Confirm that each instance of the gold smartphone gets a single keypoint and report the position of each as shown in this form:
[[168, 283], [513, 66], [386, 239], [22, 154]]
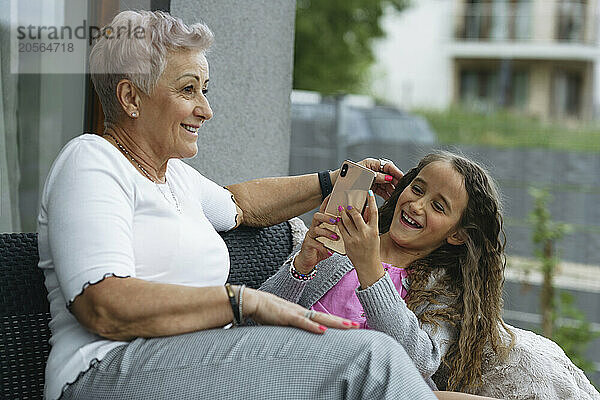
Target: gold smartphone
[[350, 189]]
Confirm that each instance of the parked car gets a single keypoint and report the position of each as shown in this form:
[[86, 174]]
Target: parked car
[[315, 122], [393, 125]]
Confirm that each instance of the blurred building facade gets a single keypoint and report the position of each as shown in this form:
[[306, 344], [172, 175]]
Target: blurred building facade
[[541, 57]]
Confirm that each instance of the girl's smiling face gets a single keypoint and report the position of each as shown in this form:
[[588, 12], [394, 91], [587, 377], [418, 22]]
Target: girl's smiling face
[[429, 209]]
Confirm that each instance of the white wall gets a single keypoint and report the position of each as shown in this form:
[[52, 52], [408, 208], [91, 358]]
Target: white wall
[[596, 79], [413, 68]]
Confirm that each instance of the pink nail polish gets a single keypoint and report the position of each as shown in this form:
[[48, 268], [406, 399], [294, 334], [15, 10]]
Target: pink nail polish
[[323, 328], [355, 323], [347, 323], [330, 253], [334, 236], [340, 208], [389, 178]]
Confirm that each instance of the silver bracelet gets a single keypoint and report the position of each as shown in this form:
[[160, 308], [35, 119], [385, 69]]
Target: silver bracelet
[[240, 296]]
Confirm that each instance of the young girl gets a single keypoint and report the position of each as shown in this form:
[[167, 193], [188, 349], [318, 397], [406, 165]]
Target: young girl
[[427, 269]]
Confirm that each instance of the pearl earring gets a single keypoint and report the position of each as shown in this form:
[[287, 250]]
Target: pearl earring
[[134, 114]]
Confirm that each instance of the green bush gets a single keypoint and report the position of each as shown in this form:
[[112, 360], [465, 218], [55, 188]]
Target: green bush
[[562, 321], [510, 129], [573, 332]]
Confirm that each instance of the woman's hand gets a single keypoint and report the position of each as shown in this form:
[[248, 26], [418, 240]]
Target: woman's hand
[[361, 239], [313, 251], [268, 309], [385, 182]]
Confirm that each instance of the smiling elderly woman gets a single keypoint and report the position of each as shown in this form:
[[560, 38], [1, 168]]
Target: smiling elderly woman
[[135, 269]]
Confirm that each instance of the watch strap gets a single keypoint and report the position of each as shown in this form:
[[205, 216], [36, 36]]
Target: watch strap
[[325, 182], [234, 305]]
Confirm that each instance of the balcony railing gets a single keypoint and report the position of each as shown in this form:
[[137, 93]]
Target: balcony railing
[[501, 20], [494, 21]]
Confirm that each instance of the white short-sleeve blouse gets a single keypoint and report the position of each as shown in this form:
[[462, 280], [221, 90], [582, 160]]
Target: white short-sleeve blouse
[[100, 217]]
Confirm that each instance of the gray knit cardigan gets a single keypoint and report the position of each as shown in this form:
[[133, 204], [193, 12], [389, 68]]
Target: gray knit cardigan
[[385, 310], [536, 368]]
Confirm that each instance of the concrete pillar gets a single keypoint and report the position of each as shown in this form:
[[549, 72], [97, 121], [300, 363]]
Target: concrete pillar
[[587, 88], [250, 84], [455, 73], [544, 22], [591, 23], [458, 27], [540, 84]]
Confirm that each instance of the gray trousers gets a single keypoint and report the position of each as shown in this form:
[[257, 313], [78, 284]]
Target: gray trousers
[[255, 363]]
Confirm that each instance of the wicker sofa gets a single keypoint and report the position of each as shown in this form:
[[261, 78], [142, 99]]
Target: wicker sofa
[[255, 254]]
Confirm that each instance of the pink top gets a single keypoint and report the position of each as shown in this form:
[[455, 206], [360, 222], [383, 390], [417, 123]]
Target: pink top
[[341, 299]]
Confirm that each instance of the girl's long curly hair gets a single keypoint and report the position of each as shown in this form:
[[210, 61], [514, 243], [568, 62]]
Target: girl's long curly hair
[[470, 275]]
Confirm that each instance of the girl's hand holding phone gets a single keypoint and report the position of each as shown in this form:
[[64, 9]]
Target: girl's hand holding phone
[[361, 238], [313, 251]]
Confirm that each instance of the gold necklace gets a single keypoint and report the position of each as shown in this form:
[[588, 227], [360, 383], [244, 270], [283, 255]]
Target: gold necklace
[[126, 153]]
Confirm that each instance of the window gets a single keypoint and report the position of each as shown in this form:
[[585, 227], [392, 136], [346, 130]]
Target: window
[[570, 20], [522, 20], [566, 93], [494, 87], [519, 93], [477, 19], [497, 19], [42, 111], [478, 88]]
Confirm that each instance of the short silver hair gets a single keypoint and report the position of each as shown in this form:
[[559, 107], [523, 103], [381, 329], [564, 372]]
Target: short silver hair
[[135, 46]]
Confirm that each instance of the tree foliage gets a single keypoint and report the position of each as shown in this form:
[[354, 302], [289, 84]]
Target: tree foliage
[[562, 321], [575, 333], [333, 43]]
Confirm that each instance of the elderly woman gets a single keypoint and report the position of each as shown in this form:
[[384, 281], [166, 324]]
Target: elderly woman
[[135, 269]]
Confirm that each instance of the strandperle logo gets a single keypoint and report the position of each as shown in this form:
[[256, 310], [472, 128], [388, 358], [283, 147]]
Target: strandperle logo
[[55, 36], [48, 33]]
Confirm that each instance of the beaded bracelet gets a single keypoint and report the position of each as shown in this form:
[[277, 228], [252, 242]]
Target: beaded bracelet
[[301, 277]]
